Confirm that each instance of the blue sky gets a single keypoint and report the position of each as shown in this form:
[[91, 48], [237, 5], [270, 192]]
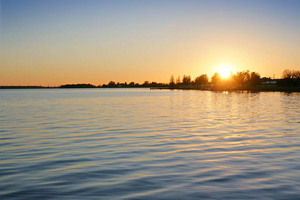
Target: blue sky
[[63, 41]]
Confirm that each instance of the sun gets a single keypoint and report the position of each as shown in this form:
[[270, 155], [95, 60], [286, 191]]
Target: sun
[[225, 72]]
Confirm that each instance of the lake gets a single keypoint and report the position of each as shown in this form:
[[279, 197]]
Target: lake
[[148, 144]]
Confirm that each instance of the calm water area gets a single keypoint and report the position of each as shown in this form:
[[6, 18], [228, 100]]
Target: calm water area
[[148, 144]]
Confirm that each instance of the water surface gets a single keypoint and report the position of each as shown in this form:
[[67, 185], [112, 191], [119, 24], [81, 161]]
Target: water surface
[[148, 144]]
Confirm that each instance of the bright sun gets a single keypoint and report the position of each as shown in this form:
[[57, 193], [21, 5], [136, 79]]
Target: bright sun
[[225, 73]]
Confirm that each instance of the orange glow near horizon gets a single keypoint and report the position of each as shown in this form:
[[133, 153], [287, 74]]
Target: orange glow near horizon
[[225, 71], [50, 44]]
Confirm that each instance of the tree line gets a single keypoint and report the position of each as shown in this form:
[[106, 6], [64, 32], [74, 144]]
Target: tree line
[[239, 80]]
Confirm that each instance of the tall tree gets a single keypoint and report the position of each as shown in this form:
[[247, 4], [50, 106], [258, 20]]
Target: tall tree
[[178, 80], [172, 81], [186, 80], [241, 78], [201, 80], [254, 78], [287, 74], [215, 79]]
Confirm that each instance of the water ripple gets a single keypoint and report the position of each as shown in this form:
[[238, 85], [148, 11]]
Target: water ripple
[[142, 144]]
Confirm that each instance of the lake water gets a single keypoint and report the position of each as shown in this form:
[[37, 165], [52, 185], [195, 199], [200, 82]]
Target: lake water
[[148, 144]]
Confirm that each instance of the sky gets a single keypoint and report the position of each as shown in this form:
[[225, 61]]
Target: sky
[[54, 42]]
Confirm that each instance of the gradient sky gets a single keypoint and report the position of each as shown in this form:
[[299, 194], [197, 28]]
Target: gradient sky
[[53, 42]]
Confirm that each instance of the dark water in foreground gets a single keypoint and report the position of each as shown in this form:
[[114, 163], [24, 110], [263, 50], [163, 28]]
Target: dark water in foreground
[[143, 144]]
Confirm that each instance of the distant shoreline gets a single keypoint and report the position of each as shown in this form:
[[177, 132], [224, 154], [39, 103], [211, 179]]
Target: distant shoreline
[[240, 81], [257, 89], [26, 87]]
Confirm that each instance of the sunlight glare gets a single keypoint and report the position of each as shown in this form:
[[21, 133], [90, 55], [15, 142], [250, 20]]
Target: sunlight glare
[[225, 71]]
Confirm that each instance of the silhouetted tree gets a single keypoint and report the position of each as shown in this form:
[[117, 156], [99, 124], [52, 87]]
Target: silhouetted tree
[[297, 74], [215, 79], [178, 82], [146, 84], [172, 82], [241, 78], [254, 79], [153, 84], [111, 84], [83, 85], [290, 74], [201, 80], [287, 74], [186, 80], [290, 78]]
